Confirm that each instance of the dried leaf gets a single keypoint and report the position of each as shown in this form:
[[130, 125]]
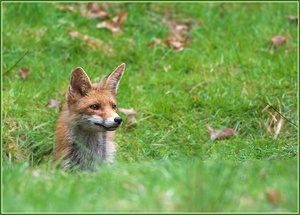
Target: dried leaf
[[54, 103], [293, 19], [115, 24], [93, 10], [177, 38], [24, 72], [220, 134], [272, 195], [210, 129], [131, 113], [120, 18], [174, 43], [178, 35], [73, 34], [278, 40]]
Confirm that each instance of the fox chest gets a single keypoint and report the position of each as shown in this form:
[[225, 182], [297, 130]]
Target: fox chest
[[89, 151]]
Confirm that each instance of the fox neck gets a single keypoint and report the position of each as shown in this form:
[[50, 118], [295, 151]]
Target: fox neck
[[89, 149]]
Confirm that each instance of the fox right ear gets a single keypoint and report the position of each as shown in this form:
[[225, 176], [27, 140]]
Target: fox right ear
[[79, 82]]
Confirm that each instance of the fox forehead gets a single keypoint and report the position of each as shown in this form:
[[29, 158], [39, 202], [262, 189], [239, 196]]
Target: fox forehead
[[96, 95], [99, 96]]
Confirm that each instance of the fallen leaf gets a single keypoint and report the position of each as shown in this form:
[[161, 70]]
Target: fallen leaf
[[178, 34], [278, 40], [54, 103], [210, 129], [114, 24], [24, 72], [173, 42], [183, 25], [220, 134], [293, 19], [120, 18], [177, 37], [73, 34], [272, 195], [131, 113], [93, 10]]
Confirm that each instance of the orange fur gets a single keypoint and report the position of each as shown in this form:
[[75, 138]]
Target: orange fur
[[86, 126]]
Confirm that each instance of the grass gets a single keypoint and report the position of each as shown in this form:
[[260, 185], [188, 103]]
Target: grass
[[164, 162], [155, 187]]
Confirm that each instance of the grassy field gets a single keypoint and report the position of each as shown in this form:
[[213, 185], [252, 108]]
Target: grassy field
[[221, 70]]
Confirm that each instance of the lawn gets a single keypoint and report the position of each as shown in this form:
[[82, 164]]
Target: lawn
[[188, 65]]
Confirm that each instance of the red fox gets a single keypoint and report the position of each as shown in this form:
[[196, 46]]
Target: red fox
[[86, 126]]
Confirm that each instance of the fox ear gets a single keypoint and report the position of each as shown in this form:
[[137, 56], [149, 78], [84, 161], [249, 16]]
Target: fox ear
[[79, 82], [111, 82]]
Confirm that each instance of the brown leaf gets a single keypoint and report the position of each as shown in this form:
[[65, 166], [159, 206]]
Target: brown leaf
[[272, 195], [220, 134], [278, 40], [54, 103], [131, 113], [114, 24], [93, 11], [183, 25], [210, 129], [24, 72], [173, 42], [293, 19], [73, 34], [178, 35]]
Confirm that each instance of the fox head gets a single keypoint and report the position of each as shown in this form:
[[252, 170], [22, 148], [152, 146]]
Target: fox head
[[93, 107]]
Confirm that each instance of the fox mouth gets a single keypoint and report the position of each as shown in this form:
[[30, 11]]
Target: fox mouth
[[111, 128]]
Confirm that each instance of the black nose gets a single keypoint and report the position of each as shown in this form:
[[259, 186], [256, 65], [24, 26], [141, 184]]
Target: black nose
[[118, 120]]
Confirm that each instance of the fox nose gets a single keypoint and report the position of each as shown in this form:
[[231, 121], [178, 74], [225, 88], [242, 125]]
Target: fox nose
[[118, 120]]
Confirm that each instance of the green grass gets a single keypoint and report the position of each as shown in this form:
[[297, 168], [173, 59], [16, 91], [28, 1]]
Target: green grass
[[167, 186], [164, 162]]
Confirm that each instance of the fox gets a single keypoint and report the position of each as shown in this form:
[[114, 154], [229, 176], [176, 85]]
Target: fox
[[88, 121]]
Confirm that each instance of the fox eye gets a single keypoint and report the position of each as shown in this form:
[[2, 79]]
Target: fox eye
[[95, 107], [114, 106]]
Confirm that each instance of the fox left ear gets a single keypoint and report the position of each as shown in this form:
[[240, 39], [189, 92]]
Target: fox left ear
[[111, 82]]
